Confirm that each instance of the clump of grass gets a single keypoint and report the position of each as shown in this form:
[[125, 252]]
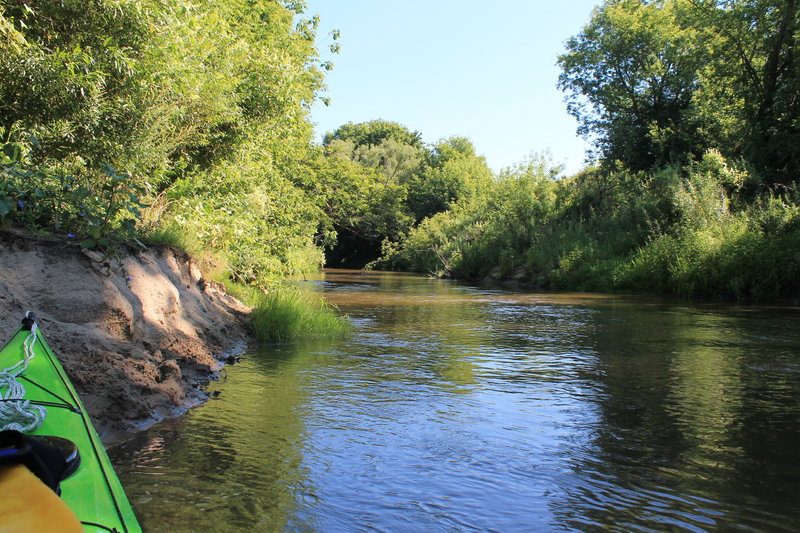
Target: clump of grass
[[172, 234], [214, 265], [284, 313]]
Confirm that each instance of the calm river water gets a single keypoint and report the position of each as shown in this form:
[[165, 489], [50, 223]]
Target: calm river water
[[453, 408]]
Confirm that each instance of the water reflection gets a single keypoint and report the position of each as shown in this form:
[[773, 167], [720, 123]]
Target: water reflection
[[457, 408], [669, 446]]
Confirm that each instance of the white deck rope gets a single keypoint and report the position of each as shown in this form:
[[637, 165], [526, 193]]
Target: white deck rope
[[15, 411]]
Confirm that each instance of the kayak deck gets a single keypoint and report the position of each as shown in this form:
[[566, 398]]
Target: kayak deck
[[93, 491]]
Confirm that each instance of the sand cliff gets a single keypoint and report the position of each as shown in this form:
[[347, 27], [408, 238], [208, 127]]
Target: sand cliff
[[139, 332]]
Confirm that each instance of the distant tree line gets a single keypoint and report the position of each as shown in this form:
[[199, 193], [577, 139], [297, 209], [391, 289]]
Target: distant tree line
[[403, 181]]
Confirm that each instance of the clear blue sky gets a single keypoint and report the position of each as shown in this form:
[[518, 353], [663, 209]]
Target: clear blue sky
[[478, 69]]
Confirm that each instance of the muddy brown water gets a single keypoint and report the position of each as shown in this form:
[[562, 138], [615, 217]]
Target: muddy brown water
[[456, 408]]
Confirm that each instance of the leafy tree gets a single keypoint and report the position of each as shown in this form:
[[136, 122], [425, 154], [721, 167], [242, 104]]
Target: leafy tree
[[201, 104], [373, 133], [69, 77], [226, 69], [154, 86], [254, 77], [355, 198], [662, 81], [382, 158], [412, 181], [453, 172], [364, 201], [749, 95], [629, 77], [395, 161], [388, 147]]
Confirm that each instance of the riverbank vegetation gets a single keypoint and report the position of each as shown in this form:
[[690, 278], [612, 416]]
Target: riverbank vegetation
[[164, 121], [673, 231], [160, 121], [694, 111]]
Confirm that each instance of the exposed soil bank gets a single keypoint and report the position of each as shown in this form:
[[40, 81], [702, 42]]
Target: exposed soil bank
[[139, 334]]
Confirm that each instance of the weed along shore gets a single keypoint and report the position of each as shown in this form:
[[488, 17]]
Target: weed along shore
[[138, 332]]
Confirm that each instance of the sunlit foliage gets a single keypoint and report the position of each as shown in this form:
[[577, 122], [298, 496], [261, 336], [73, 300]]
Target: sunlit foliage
[[199, 104], [657, 83]]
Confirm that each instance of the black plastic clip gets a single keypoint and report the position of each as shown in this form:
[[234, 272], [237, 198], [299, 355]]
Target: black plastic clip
[[28, 321]]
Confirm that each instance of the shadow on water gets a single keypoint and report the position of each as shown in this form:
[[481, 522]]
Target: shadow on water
[[458, 408], [687, 435]]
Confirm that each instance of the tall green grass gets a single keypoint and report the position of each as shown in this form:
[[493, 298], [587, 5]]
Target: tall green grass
[[284, 313], [213, 265], [171, 234]]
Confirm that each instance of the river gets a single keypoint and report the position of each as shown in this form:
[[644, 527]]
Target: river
[[457, 408]]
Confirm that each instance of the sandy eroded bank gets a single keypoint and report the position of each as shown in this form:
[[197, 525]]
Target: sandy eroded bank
[[139, 333]]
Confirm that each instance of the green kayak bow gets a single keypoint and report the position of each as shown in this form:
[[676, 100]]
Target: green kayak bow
[[39, 399]]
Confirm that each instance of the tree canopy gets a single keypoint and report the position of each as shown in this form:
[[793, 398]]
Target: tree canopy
[[630, 76], [201, 104], [654, 83], [373, 133]]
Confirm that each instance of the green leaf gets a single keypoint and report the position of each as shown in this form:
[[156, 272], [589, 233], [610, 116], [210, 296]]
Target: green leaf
[[5, 207], [12, 151], [88, 243]]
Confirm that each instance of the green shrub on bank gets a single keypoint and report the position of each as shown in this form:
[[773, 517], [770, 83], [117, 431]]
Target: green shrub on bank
[[484, 231], [109, 85], [246, 211], [697, 231], [171, 234], [94, 207], [755, 254]]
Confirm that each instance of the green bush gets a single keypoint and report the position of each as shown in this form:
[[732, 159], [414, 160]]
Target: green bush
[[245, 210], [92, 207], [685, 231]]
